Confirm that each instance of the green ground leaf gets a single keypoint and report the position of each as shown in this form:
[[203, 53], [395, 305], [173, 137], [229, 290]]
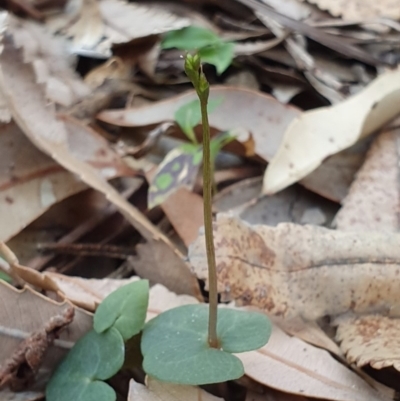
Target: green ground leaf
[[220, 55], [189, 115], [95, 357], [5, 277], [175, 347], [189, 38], [124, 309], [178, 169]]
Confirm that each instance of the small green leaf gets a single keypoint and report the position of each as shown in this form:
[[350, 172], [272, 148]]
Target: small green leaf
[[175, 345], [178, 169], [94, 357], [189, 38], [218, 142], [5, 277], [189, 115], [124, 309], [220, 55]]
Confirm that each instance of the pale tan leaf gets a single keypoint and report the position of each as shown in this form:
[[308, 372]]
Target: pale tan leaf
[[291, 365], [370, 340], [8, 395], [39, 122], [373, 199], [262, 119], [293, 270], [86, 293], [26, 311], [96, 25], [356, 10], [319, 133], [161, 391], [50, 59]]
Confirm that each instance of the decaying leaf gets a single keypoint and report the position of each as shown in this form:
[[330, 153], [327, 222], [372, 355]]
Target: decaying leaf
[[39, 123], [259, 121], [184, 210], [355, 10], [370, 340], [26, 311], [319, 133], [8, 395], [291, 365], [263, 128], [293, 270], [373, 199], [155, 390], [20, 369], [96, 25], [31, 182], [50, 59]]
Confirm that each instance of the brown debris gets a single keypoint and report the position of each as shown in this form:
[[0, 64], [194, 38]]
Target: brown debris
[[19, 370]]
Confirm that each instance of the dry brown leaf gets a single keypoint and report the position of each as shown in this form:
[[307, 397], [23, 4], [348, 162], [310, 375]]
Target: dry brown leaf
[[96, 25], [30, 182], [260, 121], [370, 340], [319, 133], [373, 199], [39, 123], [50, 59], [293, 270], [156, 262], [261, 117], [160, 391], [291, 365], [18, 371], [356, 10], [184, 210], [27, 311]]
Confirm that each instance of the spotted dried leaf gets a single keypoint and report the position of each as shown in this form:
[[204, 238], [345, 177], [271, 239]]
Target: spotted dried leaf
[[359, 340], [293, 270], [356, 10]]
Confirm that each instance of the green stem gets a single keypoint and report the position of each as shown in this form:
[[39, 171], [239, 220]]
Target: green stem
[[207, 195]]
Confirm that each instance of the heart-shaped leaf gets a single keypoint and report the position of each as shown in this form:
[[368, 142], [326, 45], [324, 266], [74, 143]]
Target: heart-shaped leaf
[[175, 344], [94, 357], [190, 38], [124, 309]]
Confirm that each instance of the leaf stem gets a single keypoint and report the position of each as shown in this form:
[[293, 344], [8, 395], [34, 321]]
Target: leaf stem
[[207, 195]]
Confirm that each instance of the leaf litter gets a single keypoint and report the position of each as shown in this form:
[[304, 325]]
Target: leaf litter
[[300, 274]]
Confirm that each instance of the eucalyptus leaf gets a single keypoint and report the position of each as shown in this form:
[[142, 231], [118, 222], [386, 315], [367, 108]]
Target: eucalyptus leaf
[[124, 309], [189, 38], [189, 115], [95, 357], [175, 344], [178, 169]]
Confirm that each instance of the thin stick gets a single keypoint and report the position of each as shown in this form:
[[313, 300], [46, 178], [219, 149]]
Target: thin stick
[[207, 195]]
